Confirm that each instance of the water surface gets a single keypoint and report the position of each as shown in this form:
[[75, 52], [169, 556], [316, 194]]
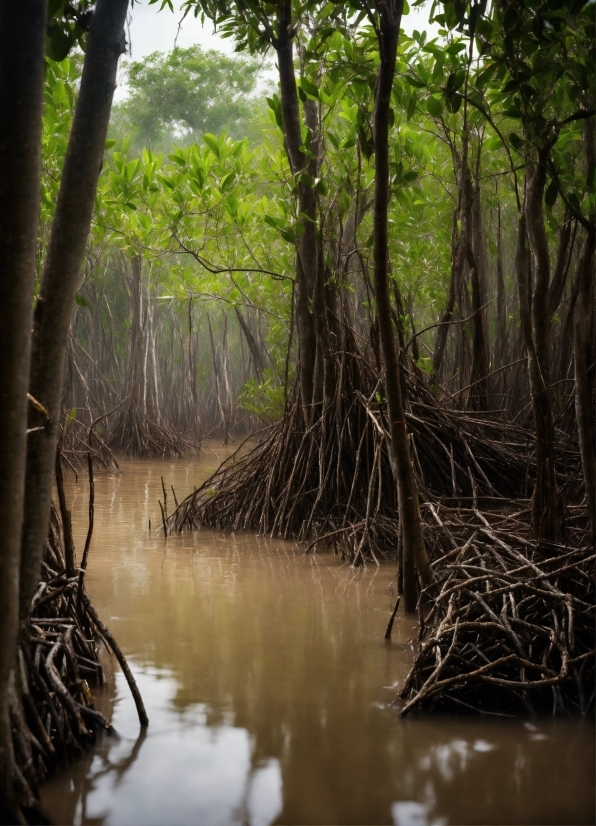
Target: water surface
[[268, 686]]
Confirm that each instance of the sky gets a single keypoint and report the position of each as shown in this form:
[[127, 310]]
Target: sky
[[151, 30]]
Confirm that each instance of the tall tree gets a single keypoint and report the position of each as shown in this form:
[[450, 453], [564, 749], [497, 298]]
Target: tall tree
[[584, 350], [186, 93], [389, 14], [61, 275], [22, 37], [259, 26]]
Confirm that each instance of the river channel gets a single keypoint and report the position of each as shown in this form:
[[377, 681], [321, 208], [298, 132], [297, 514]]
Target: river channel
[[268, 687]]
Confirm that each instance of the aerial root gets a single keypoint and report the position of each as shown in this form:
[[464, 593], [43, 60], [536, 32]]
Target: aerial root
[[331, 482], [508, 626], [51, 706], [136, 435]]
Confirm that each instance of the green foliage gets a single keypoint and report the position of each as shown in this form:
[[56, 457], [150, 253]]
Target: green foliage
[[198, 183], [179, 96], [61, 83], [265, 399], [68, 22]]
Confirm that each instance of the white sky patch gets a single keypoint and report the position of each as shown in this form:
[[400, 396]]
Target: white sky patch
[[151, 30]]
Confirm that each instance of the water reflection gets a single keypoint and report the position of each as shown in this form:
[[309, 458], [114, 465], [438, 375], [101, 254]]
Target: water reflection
[[268, 687]]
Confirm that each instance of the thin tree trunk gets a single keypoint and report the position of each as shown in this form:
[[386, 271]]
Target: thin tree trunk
[[135, 378], [61, 273], [584, 349], [414, 550], [583, 362], [255, 353], [478, 263], [544, 502], [22, 40], [501, 326], [458, 260], [306, 246]]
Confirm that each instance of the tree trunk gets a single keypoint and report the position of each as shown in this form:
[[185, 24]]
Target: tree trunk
[[306, 245], [258, 361], [584, 349], [544, 502], [414, 550], [61, 274], [583, 362], [136, 374], [478, 263], [501, 325], [458, 259], [22, 40]]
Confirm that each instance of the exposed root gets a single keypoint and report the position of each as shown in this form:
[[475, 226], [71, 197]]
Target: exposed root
[[52, 714], [51, 706], [136, 435], [508, 626], [333, 481], [77, 442]]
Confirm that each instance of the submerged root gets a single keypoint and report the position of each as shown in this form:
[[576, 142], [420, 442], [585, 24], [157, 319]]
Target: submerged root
[[52, 713]]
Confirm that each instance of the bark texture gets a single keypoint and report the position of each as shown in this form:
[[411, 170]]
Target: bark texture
[[61, 273], [22, 37], [583, 362], [536, 329], [414, 550]]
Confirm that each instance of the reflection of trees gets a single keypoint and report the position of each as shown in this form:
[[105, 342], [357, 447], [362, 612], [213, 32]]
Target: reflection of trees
[[115, 769], [84, 779], [291, 649]]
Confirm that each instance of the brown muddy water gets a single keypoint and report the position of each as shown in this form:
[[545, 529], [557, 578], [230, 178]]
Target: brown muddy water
[[268, 687]]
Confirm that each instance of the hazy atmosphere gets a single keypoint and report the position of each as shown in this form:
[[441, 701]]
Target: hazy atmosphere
[[298, 420]]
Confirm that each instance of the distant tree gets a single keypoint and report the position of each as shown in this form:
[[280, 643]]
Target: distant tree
[[179, 96]]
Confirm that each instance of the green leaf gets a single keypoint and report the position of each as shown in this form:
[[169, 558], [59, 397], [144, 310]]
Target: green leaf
[[212, 143], [550, 196], [309, 88], [321, 186], [275, 105], [434, 107], [574, 201], [81, 300], [416, 82], [454, 102], [227, 181], [58, 43]]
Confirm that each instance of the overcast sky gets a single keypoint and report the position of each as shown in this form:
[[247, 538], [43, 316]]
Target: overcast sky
[[151, 30]]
